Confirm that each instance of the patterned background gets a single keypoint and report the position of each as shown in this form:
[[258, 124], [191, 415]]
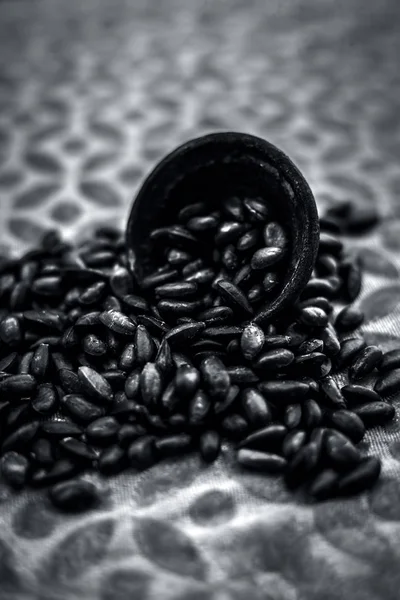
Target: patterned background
[[92, 94]]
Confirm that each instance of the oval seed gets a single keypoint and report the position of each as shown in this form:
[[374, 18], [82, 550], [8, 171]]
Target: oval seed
[[141, 453], [233, 296], [312, 414], [274, 235], [95, 385], [178, 289], [210, 445], [78, 449], [268, 438], [375, 413], [284, 391], [366, 361], [255, 408], [312, 316], [266, 257], [215, 376], [173, 445], [93, 345], [199, 408], [81, 409], [292, 443], [324, 485], [252, 341], [187, 380], [387, 384], [14, 468], [112, 460], [103, 430], [150, 384], [349, 349], [19, 386], [10, 331], [349, 319], [117, 322], [261, 461], [45, 399], [75, 495], [390, 361], [362, 477], [348, 423], [275, 359], [181, 334], [358, 394], [332, 392]]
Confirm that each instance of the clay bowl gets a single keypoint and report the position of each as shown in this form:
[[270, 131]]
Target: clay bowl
[[238, 164]]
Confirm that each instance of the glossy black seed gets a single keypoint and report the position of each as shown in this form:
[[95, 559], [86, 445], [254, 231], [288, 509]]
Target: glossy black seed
[[252, 341], [348, 423], [312, 414], [150, 384], [256, 209], [349, 349], [349, 319], [264, 462], [10, 331], [332, 392], [365, 362], [118, 322], [292, 443], [93, 294], [228, 232], [284, 391], [229, 258], [302, 465], [187, 380], [199, 408], [7, 282], [210, 445], [173, 445], [42, 452], [362, 477], [19, 386], [61, 470], [359, 394], [141, 453], [60, 429], [182, 334], [95, 385], [99, 259], [315, 364], [89, 321], [153, 325], [48, 286], [178, 289], [375, 413], [14, 468], [319, 301], [9, 362], [275, 359], [215, 376], [69, 338], [128, 358], [390, 361], [75, 495], [330, 340], [326, 265], [61, 361], [222, 333], [155, 279], [192, 267], [164, 361], [233, 297], [234, 426], [269, 282], [256, 410], [20, 438], [175, 308], [361, 218], [112, 460], [313, 316], [266, 257], [255, 294], [243, 276], [324, 485], [216, 315], [311, 345], [103, 430], [276, 341], [233, 207], [45, 400], [248, 240], [296, 335], [268, 438], [129, 432], [330, 244], [202, 223], [176, 234], [191, 210], [292, 415], [274, 235], [318, 287], [177, 258], [78, 449], [242, 375], [388, 383], [40, 361]]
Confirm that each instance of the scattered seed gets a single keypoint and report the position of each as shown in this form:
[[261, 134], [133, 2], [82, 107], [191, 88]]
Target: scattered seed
[[264, 462], [75, 495]]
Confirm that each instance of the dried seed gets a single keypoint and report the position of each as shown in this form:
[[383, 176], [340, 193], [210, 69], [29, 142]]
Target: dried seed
[[318, 287], [366, 361], [387, 384], [222, 332], [276, 341], [191, 210], [233, 296], [242, 375], [243, 275], [182, 334], [266, 257], [330, 340], [255, 408], [8, 362], [332, 392], [268, 438], [310, 346], [285, 391], [348, 423], [78, 449], [313, 316], [275, 359], [312, 414], [362, 477], [173, 445], [60, 429], [248, 240], [177, 235], [75, 495], [324, 485], [292, 443], [234, 426], [103, 430], [69, 381], [112, 460], [47, 286], [319, 301], [330, 244], [174, 308], [252, 341], [233, 207], [62, 469], [256, 209], [349, 349], [264, 462], [40, 361], [292, 415], [14, 468], [45, 400], [128, 358], [178, 289], [274, 235], [155, 279], [177, 258], [42, 452], [10, 331], [302, 465], [269, 282], [210, 445], [390, 361], [229, 258], [199, 408], [187, 380], [215, 377], [93, 294], [141, 453], [350, 272], [153, 325], [203, 223], [327, 265], [375, 413], [20, 438], [19, 386], [349, 319], [228, 232], [358, 394], [88, 321], [150, 385], [117, 322], [216, 315]]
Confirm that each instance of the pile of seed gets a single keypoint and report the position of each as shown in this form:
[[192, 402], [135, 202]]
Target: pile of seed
[[96, 373]]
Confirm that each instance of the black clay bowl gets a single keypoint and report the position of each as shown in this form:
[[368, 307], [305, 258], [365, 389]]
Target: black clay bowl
[[229, 163]]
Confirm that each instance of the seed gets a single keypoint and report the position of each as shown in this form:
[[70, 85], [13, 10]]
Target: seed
[[128, 433], [292, 415], [327, 265], [9, 362], [215, 376], [256, 209], [233, 207], [312, 414], [45, 399], [60, 429], [48, 286], [199, 408], [19, 386], [117, 322], [181, 334], [93, 293], [390, 361], [255, 294], [173, 445], [179, 289], [313, 316], [252, 341], [216, 315], [62, 469], [191, 210], [81, 409], [155, 279], [154, 325], [387, 384], [267, 438], [40, 361], [10, 331], [311, 345], [112, 460], [222, 332], [174, 308], [42, 452], [255, 407], [261, 461], [349, 319], [319, 301], [203, 223], [128, 358], [318, 287], [141, 453], [164, 361], [177, 258], [274, 235], [350, 348], [275, 359], [361, 218], [348, 423], [210, 445], [70, 338], [324, 485], [234, 426], [233, 296], [332, 392], [20, 438], [248, 240], [330, 244], [88, 321], [330, 340], [243, 275], [276, 341], [362, 477], [103, 430], [292, 442], [285, 391], [375, 413], [150, 384], [14, 468], [78, 449], [358, 394], [228, 232], [302, 465], [187, 380], [365, 362], [75, 495], [177, 235], [266, 257], [120, 281]]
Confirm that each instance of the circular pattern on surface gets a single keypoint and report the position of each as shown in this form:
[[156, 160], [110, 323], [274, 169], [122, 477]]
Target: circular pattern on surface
[[122, 584], [34, 520], [212, 508]]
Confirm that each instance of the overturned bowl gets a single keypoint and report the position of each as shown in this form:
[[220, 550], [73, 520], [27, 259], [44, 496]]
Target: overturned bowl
[[216, 166]]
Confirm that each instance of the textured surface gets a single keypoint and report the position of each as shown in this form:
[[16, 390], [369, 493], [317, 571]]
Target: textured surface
[[92, 93]]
